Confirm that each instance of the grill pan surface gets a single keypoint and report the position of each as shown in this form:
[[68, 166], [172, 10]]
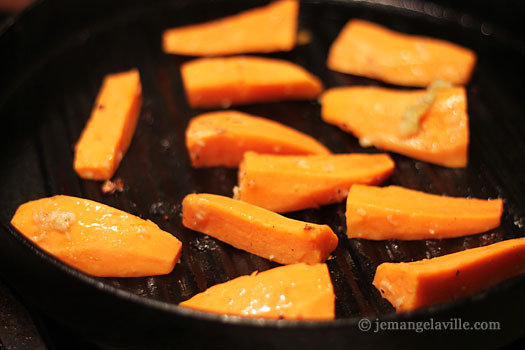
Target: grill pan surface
[[53, 59]]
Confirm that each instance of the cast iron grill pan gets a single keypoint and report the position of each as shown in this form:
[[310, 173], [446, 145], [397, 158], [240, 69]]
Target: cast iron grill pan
[[55, 56]]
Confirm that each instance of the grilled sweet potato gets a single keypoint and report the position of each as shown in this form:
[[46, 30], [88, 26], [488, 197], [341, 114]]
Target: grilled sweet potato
[[398, 213], [375, 115], [97, 239], [222, 82], [222, 138], [288, 183], [408, 286], [257, 230], [245, 32], [110, 127], [368, 49], [292, 292]]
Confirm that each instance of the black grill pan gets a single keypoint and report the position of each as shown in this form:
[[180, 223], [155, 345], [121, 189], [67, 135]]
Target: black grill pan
[[53, 57]]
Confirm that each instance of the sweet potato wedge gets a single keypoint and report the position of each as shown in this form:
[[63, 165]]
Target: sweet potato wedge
[[221, 82], [408, 286], [374, 115], [257, 230], [398, 213], [109, 130], [97, 239], [288, 183], [293, 292], [221, 138], [370, 50], [246, 32]]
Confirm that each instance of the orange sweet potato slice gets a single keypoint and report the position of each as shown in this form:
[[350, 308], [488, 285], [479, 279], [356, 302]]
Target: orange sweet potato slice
[[97, 239], [245, 32], [109, 130], [408, 286], [214, 82], [221, 138], [293, 292], [374, 115], [288, 183], [257, 230], [370, 50], [398, 213]]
